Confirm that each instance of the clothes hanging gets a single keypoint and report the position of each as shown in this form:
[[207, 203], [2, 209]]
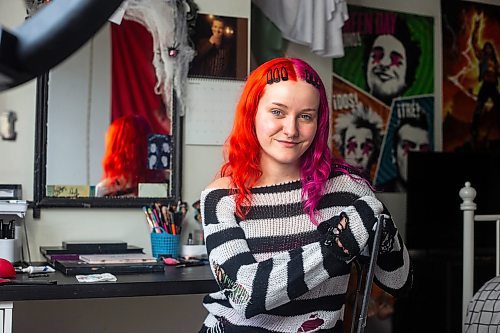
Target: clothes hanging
[[317, 24]]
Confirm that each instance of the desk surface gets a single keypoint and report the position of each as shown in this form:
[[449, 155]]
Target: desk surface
[[174, 281]]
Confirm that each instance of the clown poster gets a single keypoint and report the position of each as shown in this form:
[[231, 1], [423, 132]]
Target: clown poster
[[471, 69], [387, 55]]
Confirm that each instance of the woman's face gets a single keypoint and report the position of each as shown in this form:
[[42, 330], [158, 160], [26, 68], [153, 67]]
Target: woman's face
[[286, 122]]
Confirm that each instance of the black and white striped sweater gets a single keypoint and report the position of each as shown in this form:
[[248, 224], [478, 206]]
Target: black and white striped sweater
[[274, 273]]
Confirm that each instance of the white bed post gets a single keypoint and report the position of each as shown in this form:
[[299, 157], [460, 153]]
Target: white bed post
[[468, 206]]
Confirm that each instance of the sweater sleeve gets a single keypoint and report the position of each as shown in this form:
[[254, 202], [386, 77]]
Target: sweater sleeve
[[393, 268], [256, 287]]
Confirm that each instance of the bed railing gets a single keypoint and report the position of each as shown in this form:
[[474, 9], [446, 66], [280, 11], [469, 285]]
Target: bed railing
[[468, 193]]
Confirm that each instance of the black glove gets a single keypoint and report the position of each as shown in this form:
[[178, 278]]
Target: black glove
[[360, 218], [337, 237], [388, 236]]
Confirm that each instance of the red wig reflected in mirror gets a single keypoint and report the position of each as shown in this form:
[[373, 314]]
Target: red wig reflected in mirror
[[125, 162]]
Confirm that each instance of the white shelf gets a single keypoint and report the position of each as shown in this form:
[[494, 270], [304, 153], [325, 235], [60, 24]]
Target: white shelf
[[17, 207]]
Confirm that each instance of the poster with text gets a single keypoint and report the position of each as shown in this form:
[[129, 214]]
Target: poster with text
[[471, 100], [359, 123], [387, 55], [410, 128]]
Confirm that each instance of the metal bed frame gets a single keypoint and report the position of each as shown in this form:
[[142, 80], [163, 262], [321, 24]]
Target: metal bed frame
[[468, 206]]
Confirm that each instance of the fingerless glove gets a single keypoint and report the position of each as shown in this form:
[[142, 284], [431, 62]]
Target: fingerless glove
[[346, 235]]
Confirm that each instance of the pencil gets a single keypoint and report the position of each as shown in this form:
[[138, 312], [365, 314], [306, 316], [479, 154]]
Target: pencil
[[166, 217], [156, 217], [174, 232], [148, 219], [150, 213]]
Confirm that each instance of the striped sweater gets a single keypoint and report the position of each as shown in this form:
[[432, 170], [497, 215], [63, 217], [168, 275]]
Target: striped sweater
[[274, 272]]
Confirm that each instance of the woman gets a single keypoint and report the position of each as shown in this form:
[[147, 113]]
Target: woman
[[283, 223]]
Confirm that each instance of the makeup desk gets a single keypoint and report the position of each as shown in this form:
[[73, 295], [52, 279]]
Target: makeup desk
[[173, 281]]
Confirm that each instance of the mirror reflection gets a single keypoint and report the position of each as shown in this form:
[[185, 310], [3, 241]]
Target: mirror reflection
[[109, 124]]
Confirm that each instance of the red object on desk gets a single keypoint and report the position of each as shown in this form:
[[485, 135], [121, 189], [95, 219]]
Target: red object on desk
[[171, 261], [6, 269]]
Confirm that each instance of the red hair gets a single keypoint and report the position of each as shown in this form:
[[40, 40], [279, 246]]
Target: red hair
[[242, 149], [126, 152]]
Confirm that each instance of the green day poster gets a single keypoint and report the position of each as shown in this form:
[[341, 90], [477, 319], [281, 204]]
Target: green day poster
[[471, 70], [387, 55], [410, 128]]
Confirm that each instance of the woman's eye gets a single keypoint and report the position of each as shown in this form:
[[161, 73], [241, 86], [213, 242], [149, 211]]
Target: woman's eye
[[306, 116], [276, 112]]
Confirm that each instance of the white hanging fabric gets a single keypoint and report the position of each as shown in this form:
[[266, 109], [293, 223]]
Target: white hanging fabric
[[166, 21], [315, 23]]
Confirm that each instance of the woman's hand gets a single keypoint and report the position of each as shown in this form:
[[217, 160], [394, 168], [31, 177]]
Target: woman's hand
[[347, 234]]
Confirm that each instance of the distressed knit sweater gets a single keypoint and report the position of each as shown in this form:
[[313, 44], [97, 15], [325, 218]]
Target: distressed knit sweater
[[274, 271]]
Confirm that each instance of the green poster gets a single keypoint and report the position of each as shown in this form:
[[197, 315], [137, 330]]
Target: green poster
[[388, 56]]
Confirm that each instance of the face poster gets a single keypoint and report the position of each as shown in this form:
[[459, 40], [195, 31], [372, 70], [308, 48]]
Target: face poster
[[387, 55], [471, 101], [410, 128]]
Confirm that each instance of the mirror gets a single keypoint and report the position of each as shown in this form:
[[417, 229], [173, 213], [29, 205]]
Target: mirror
[[108, 127]]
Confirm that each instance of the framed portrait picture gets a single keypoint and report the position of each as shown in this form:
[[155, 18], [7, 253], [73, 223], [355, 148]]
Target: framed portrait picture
[[221, 44]]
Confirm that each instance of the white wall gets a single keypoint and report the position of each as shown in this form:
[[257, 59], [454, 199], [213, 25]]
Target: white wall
[[75, 101], [199, 167]]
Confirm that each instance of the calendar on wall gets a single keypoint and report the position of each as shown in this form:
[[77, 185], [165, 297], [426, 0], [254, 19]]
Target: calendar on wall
[[210, 108]]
